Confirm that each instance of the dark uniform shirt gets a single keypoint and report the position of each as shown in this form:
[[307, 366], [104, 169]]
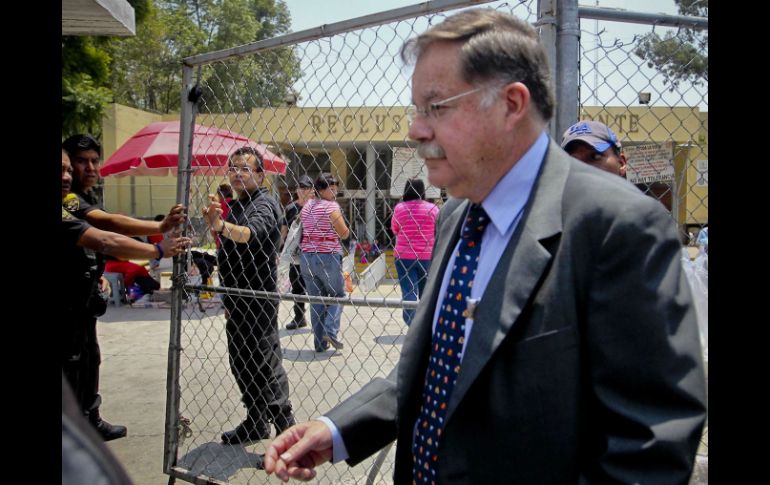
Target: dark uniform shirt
[[252, 265], [82, 266]]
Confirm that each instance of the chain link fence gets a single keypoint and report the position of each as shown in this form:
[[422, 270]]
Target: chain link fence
[[333, 100]]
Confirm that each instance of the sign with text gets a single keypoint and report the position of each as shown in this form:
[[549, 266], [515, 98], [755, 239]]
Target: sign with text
[[407, 165], [702, 166], [650, 162]]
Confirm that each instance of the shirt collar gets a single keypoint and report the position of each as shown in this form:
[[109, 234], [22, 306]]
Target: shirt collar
[[510, 195]]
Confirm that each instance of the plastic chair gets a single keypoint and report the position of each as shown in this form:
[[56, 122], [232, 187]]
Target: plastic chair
[[118, 295]]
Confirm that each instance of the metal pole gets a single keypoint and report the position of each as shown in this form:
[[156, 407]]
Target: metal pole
[[329, 30], [171, 439], [620, 15], [133, 196], [567, 60], [371, 192], [546, 22]]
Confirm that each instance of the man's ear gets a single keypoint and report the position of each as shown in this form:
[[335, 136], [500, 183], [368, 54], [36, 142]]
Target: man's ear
[[517, 99], [623, 165]]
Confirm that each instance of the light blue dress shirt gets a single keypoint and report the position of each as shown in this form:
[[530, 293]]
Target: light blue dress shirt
[[504, 205]]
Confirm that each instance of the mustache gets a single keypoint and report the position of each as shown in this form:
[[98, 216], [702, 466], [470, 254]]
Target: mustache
[[430, 150]]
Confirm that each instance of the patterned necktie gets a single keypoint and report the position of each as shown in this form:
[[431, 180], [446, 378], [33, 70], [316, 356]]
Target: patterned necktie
[[446, 349]]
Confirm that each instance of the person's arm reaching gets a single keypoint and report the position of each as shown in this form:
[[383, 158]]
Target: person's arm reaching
[[212, 214], [130, 226], [120, 246]]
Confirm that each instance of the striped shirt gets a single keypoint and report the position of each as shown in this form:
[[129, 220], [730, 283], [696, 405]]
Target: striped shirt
[[318, 234], [414, 224]]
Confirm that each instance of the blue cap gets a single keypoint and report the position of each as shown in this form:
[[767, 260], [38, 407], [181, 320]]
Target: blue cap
[[596, 134]]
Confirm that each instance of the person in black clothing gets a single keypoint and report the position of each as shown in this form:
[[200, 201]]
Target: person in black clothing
[[84, 457], [248, 260], [84, 153], [304, 193]]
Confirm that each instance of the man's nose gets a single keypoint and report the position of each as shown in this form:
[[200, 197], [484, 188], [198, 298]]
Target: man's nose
[[420, 130]]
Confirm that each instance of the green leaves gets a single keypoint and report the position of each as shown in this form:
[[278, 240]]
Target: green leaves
[[82, 105], [145, 71], [681, 56]]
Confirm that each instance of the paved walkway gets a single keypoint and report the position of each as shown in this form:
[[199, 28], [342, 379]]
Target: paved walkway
[[134, 344]]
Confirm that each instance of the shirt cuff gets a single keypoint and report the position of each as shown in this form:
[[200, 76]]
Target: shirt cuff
[[339, 452]]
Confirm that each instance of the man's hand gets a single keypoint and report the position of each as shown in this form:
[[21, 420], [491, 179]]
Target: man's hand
[[297, 451], [212, 212], [175, 217], [104, 285], [174, 245]]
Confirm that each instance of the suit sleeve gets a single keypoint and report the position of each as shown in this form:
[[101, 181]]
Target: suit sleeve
[[367, 419], [644, 356]]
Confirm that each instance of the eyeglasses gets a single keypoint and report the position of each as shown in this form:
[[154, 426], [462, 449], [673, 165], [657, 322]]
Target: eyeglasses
[[246, 170], [435, 110]]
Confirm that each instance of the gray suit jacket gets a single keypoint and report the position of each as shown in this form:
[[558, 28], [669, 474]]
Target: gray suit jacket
[[583, 365]]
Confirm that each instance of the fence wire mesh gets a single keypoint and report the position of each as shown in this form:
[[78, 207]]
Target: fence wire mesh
[[336, 104], [649, 83]]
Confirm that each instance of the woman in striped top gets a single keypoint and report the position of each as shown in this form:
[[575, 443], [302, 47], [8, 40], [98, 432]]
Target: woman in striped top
[[413, 223], [321, 262]]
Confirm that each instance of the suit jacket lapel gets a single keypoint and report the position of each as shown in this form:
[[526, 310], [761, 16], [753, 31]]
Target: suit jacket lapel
[[517, 274]]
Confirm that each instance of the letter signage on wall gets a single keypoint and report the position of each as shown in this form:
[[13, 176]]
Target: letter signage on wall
[[650, 162]]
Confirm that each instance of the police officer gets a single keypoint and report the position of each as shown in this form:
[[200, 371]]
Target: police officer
[[85, 266]]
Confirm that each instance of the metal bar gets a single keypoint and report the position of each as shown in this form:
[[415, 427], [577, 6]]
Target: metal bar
[[174, 346], [617, 15], [567, 58], [328, 30], [546, 23], [326, 300], [199, 479], [371, 192]]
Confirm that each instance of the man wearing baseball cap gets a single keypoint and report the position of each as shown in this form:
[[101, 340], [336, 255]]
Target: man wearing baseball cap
[[596, 144]]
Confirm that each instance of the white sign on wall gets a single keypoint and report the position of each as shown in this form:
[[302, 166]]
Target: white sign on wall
[[702, 166], [406, 165], [650, 162]]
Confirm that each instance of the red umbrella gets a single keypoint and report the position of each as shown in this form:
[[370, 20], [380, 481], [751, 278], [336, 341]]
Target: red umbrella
[[153, 150]]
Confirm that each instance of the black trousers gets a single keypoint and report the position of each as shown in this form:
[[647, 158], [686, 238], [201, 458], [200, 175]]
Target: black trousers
[[297, 288], [254, 350], [81, 358]]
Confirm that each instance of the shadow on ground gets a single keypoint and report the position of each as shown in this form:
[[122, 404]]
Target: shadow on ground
[[389, 339], [219, 461], [308, 355]]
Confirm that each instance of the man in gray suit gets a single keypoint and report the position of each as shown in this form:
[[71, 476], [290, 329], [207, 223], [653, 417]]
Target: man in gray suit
[[580, 360]]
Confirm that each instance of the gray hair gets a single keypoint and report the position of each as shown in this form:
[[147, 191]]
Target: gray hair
[[497, 48]]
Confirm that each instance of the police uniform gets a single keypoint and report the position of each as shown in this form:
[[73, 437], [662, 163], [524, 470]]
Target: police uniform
[[81, 355], [252, 323]]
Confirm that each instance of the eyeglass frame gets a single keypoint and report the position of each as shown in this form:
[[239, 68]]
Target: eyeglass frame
[[433, 109], [245, 169]]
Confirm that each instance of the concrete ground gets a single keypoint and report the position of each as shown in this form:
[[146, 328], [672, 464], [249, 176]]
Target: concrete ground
[[134, 343]]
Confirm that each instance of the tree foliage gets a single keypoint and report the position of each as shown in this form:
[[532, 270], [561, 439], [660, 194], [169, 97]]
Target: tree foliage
[[680, 56], [147, 70], [86, 78]]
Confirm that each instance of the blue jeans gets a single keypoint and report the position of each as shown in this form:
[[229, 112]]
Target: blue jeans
[[412, 274], [322, 273]]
